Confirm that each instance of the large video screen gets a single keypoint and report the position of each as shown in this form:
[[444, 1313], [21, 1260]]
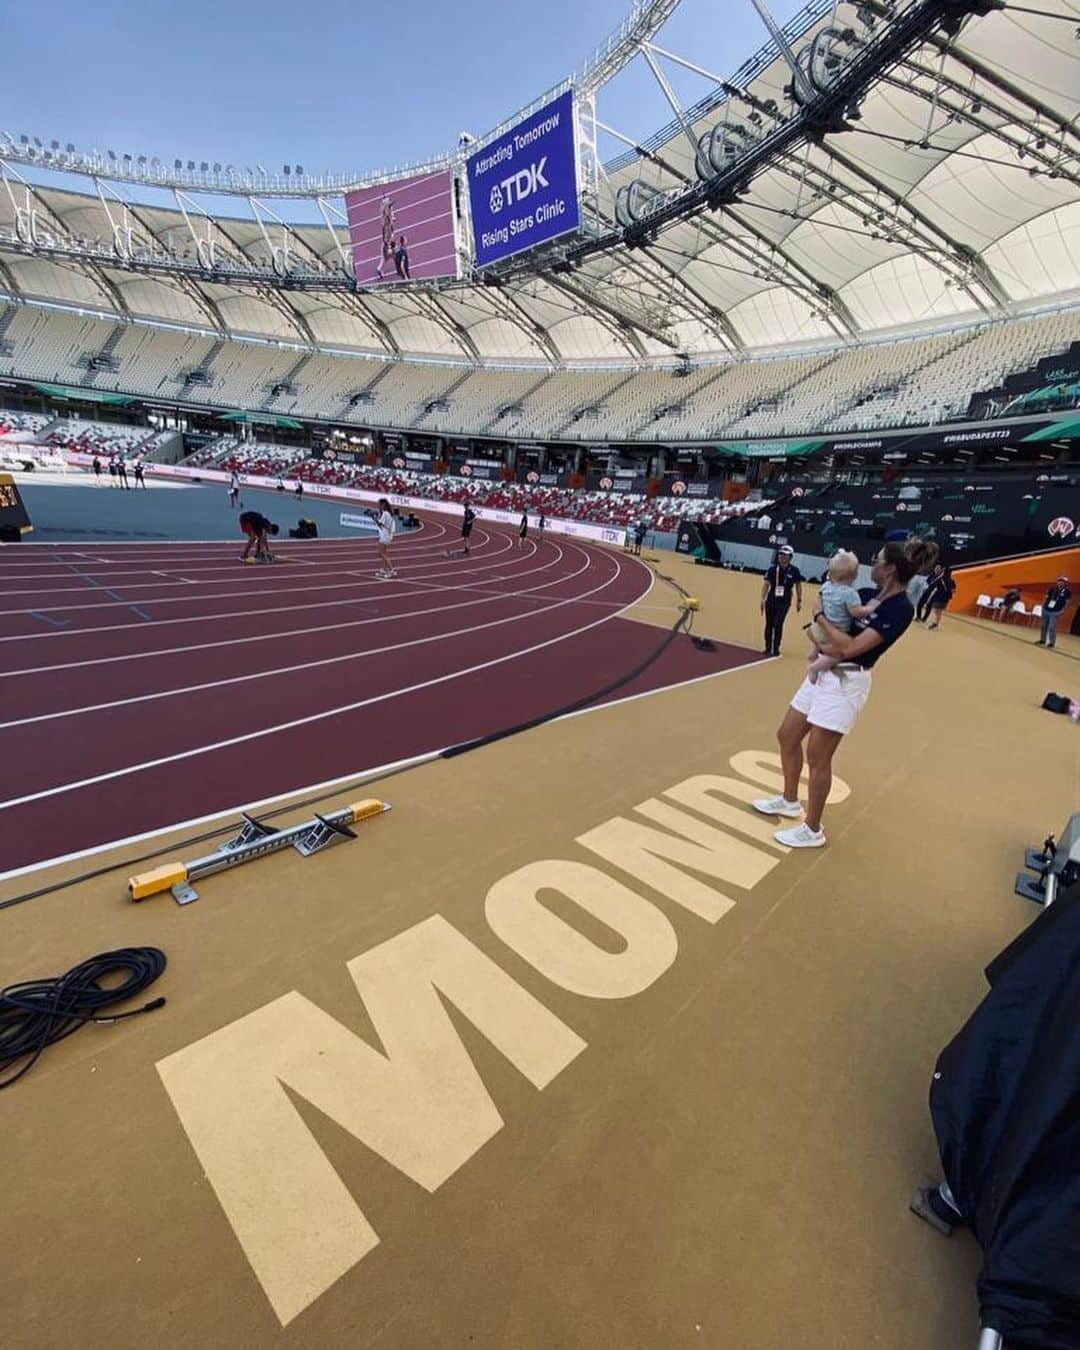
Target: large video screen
[[523, 186], [403, 231]]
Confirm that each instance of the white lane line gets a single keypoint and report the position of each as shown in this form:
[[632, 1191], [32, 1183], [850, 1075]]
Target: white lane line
[[249, 677], [357, 780], [374, 588], [289, 632], [326, 713], [332, 564], [53, 550], [409, 548]]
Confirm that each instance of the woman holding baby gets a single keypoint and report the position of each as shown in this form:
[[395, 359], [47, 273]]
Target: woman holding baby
[[850, 638]]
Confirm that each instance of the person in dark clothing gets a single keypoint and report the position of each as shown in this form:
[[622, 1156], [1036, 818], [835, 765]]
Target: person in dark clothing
[[401, 259], [523, 529], [781, 579], [113, 471], [97, 471], [1057, 597], [922, 609], [256, 527], [944, 590], [466, 525], [121, 471], [140, 478]]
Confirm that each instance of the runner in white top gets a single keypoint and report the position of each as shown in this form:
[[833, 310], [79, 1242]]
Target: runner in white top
[[387, 526]]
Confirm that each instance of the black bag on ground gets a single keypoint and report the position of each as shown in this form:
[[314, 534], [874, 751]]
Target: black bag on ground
[[1058, 703]]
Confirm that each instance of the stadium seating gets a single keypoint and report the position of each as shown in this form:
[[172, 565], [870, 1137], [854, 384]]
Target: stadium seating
[[101, 438], [909, 380], [26, 424]]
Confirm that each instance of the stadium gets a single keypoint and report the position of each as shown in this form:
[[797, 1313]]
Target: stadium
[[411, 566]]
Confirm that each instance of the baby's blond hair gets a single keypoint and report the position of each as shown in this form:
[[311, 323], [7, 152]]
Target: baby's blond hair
[[843, 566]]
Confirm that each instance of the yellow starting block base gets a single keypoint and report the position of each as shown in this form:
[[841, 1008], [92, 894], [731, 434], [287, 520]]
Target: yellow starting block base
[[254, 841]]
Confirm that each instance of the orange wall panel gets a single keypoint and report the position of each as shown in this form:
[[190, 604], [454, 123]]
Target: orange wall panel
[[1031, 576]]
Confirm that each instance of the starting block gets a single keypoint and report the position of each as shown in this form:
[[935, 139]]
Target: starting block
[[255, 840]]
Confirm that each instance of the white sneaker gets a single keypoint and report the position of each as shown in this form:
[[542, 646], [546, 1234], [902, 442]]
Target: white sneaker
[[802, 836], [778, 806]]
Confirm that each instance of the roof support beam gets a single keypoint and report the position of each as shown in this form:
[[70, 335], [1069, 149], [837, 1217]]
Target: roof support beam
[[510, 309], [89, 269], [613, 319], [1064, 125], [715, 320], [966, 258]]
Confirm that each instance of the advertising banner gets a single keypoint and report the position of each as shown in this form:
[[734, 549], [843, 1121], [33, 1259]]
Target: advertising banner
[[618, 480], [604, 534], [523, 185], [412, 460], [902, 445], [490, 471], [536, 478], [403, 231], [690, 487]]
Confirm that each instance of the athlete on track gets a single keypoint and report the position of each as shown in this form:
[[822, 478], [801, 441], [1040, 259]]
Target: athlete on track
[[256, 526], [387, 526], [466, 525]]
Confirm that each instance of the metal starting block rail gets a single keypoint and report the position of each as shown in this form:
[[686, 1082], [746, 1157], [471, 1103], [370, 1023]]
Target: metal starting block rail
[[255, 840], [1056, 866]]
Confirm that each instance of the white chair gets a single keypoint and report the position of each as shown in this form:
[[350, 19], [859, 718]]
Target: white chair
[[981, 602], [997, 607], [1020, 610]]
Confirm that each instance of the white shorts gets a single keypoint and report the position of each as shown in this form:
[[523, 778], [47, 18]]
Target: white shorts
[[834, 703], [385, 538]]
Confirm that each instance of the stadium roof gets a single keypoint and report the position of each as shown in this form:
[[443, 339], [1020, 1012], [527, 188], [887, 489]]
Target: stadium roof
[[923, 168]]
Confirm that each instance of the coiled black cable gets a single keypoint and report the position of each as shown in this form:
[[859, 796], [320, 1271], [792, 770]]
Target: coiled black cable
[[38, 1013]]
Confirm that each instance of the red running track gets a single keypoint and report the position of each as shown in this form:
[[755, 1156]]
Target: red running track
[[149, 685]]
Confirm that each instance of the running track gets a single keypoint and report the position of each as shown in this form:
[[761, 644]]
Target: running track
[[146, 685]]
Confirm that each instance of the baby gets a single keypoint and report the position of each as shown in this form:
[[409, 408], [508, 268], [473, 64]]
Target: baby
[[841, 605]]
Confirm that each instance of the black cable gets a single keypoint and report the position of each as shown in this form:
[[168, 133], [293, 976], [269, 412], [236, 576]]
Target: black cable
[[38, 1013], [684, 623]]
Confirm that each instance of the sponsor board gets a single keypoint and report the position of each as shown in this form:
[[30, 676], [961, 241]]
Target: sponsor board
[[579, 529], [523, 186]]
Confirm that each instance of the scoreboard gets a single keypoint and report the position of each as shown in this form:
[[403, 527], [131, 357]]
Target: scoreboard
[[14, 521]]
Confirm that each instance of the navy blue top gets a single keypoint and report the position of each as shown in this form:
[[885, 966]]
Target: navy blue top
[[782, 581], [1057, 597], [892, 620]]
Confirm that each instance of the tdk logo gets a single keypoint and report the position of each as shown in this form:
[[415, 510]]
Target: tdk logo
[[518, 186]]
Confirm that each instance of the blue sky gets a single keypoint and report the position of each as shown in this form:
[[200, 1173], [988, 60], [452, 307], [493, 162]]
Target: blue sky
[[338, 86]]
